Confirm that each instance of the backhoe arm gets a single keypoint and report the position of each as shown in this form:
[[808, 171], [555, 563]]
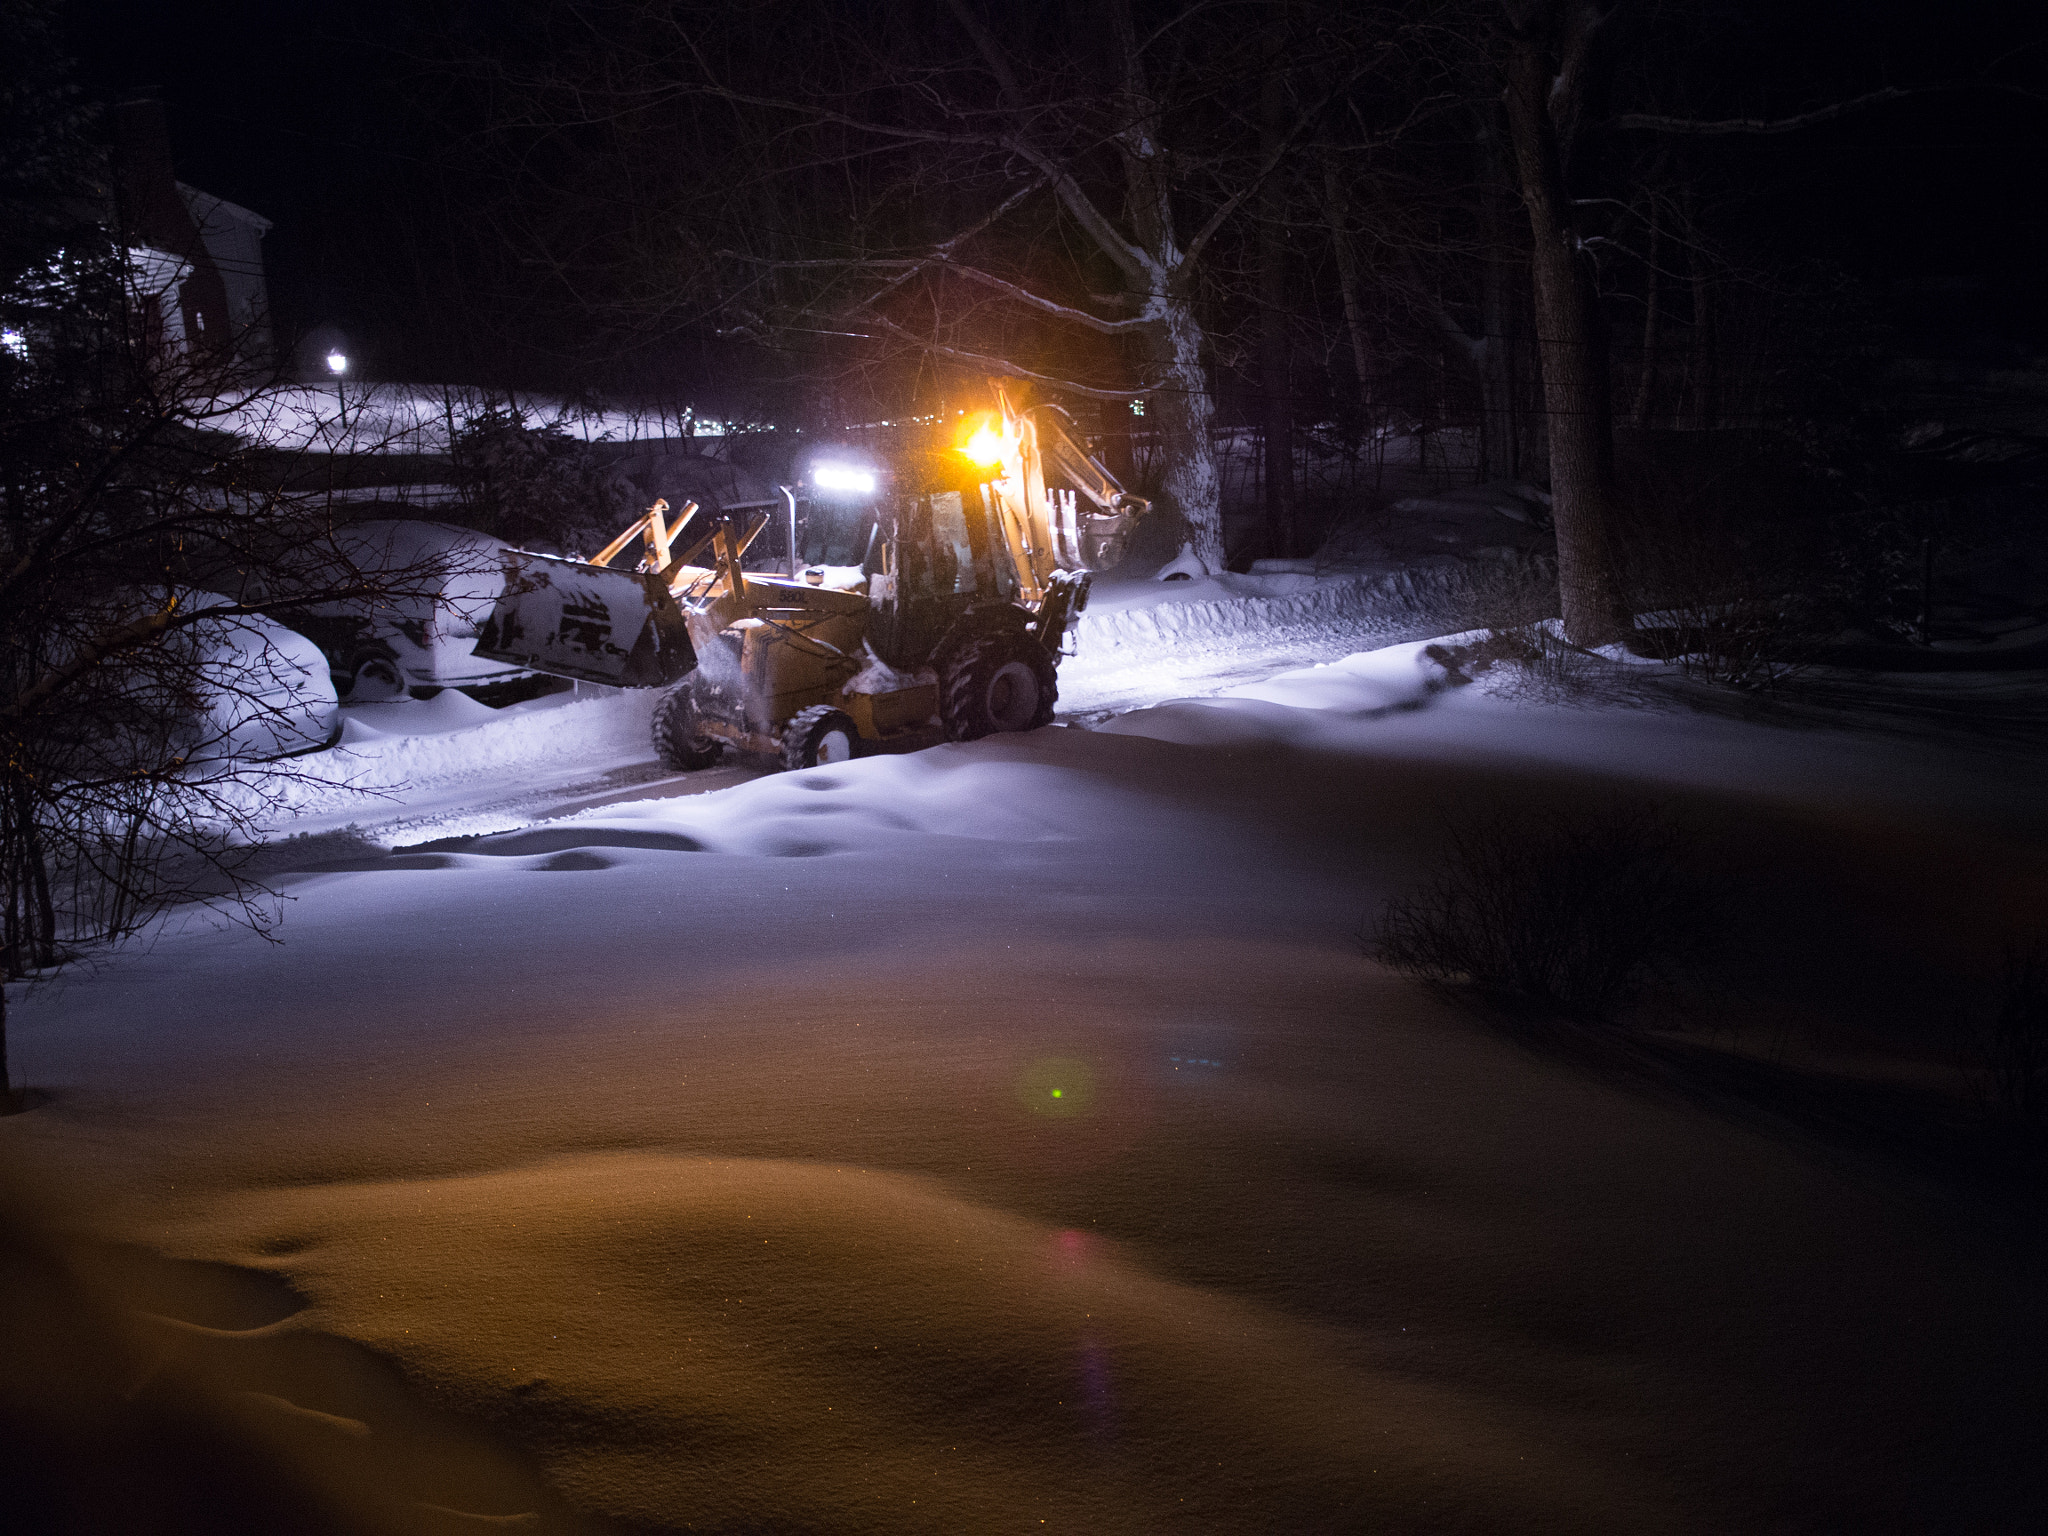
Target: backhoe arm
[[1045, 477]]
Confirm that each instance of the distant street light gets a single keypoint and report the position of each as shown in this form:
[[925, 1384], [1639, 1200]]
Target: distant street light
[[337, 364]]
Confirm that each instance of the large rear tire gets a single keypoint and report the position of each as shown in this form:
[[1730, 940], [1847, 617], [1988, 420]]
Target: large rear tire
[[996, 684], [817, 736], [678, 739]]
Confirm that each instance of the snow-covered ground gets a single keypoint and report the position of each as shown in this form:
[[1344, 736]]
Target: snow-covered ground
[[1012, 1135]]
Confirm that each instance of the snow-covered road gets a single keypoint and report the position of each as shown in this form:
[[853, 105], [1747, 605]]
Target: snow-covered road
[[413, 771]]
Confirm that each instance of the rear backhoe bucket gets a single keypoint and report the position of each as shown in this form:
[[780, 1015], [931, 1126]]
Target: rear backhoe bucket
[[573, 619]]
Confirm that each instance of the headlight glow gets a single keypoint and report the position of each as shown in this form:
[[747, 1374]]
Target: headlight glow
[[848, 478], [985, 447]]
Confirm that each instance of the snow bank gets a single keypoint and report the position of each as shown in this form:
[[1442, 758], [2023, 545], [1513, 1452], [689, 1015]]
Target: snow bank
[[1365, 684], [1134, 616], [405, 760], [1141, 642], [464, 742]]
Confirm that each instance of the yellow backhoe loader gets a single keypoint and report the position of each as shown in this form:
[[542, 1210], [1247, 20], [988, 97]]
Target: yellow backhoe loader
[[950, 627]]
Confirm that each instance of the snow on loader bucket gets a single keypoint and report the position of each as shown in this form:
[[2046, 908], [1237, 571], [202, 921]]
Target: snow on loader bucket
[[587, 622]]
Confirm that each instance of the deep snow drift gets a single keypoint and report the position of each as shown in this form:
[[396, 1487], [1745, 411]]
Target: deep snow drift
[[1012, 1135]]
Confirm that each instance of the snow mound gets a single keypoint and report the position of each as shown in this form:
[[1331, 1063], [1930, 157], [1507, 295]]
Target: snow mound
[[1245, 606], [1369, 683], [1360, 687], [846, 1311], [875, 804], [413, 752]]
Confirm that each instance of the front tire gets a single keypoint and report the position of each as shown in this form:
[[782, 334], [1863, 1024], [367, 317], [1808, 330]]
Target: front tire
[[376, 680], [679, 739], [997, 684], [818, 736]]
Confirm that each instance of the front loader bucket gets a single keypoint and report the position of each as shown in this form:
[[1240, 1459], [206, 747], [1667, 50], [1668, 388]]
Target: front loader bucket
[[587, 622]]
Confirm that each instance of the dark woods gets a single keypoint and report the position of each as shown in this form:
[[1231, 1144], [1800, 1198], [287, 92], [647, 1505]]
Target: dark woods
[[1579, 244]]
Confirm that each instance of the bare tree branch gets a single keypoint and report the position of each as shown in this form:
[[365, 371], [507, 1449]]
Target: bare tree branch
[[1649, 122], [1008, 369], [1134, 262], [985, 44], [1280, 152], [1047, 306]]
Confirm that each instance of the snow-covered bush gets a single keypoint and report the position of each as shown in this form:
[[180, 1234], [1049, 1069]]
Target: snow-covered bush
[[1578, 919], [535, 486], [1514, 606]]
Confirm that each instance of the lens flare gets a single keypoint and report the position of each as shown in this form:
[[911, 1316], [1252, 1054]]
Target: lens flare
[[1057, 1087]]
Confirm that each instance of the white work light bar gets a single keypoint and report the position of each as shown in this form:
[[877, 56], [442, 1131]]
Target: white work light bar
[[850, 478]]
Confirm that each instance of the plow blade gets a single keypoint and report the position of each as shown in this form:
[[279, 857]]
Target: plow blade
[[587, 622]]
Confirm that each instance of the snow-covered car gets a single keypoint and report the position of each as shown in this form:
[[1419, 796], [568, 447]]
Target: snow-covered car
[[422, 637], [265, 691]]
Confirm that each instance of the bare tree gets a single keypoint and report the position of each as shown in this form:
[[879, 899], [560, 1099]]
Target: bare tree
[[1557, 64], [155, 557]]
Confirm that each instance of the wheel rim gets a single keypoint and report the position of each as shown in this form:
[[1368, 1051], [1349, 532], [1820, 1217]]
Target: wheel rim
[[835, 746], [376, 681], [1012, 697]]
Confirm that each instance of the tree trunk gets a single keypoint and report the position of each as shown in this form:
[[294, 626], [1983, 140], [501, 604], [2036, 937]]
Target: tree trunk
[[1575, 385], [41, 936], [1335, 207], [1646, 381], [9, 1101], [1276, 388], [1180, 413], [1181, 407], [1706, 399], [1114, 418], [1499, 458]]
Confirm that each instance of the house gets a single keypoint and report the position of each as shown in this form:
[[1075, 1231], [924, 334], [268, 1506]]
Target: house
[[195, 260]]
